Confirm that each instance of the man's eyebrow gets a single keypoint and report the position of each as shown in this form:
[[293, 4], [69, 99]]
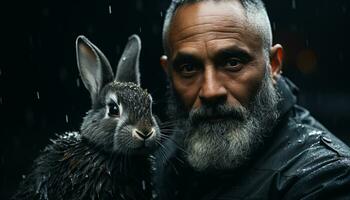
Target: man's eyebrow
[[233, 52], [182, 57]]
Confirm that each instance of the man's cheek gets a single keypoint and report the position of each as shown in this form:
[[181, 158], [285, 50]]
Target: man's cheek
[[186, 95], [187, 99]]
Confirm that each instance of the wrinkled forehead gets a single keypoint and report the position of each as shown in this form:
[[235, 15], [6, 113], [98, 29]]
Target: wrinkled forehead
[[198, 10], [211, 20]]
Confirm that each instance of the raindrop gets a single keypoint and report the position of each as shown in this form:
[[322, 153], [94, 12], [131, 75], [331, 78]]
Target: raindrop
[[154, 194], [37, 95], [161, 14], [140, 29], [66, 118], [300, 126], [315, 133], [71, 179], [294, 6], [154, 169], [110, 9], [0, 72], [78, 82], [144, 185], [326, 139], [274, 26], [0, 100], [307, 43]]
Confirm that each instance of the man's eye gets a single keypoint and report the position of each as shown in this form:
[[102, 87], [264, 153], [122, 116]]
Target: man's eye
[[233, 64], [187, 69], [113, 110]]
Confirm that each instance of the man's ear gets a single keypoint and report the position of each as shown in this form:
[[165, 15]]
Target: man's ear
[[165, 64], [276, 60]]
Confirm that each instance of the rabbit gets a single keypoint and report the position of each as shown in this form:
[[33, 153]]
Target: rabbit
[[111, 156]]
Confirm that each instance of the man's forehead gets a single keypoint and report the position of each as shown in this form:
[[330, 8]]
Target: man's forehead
[[210, 21], [203, 9]]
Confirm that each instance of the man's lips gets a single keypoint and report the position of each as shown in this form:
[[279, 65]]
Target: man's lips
[[217, 118], [217, 114], [212, 119]]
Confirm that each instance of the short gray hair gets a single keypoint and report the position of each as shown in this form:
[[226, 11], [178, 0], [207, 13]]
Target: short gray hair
[[255, 12]]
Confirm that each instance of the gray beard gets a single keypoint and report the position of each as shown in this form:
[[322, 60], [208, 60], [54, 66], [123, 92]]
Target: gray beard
[[225, 144]]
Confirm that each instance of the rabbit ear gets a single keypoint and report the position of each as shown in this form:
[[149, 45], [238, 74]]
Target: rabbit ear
[[94, 68], [128, 66]]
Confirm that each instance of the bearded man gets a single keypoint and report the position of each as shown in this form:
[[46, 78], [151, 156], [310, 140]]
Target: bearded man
[[239, 132]]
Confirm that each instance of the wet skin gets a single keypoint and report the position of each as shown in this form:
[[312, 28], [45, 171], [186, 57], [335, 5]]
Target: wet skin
[[215, 56]]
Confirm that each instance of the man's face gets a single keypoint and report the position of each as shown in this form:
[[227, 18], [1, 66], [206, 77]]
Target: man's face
[[218, 71], [214, 54]]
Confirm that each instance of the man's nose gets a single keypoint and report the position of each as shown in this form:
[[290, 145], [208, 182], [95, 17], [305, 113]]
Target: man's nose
[[212, 90]]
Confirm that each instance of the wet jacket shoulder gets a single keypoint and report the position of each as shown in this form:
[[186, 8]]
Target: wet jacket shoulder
[[299, 160]]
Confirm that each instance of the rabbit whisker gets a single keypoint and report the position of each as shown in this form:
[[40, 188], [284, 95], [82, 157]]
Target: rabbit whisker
[[167, 137], [163, 152]]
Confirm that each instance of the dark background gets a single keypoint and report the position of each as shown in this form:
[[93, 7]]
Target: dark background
[[41, 93]]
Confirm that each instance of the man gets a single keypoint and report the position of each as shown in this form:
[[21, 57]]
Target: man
[[239, 132]]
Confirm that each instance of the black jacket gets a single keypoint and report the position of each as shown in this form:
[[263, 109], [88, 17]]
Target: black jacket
[[299, 160]]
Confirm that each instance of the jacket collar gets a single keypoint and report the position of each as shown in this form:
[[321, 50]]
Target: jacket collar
[[288, 93]]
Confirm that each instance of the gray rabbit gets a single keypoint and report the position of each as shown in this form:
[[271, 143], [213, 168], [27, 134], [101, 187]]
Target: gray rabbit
[[110, 157]]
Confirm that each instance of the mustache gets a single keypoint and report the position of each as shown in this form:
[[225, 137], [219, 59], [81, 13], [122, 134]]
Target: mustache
[[218, 111]]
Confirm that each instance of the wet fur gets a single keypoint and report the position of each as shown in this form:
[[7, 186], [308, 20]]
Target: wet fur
[[74, 168], [103, 160]]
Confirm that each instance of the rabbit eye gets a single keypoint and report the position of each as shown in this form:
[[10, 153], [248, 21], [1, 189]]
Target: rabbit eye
[[113, 110]]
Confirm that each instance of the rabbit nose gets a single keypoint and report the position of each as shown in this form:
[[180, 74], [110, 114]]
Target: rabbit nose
[[142, 135]]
